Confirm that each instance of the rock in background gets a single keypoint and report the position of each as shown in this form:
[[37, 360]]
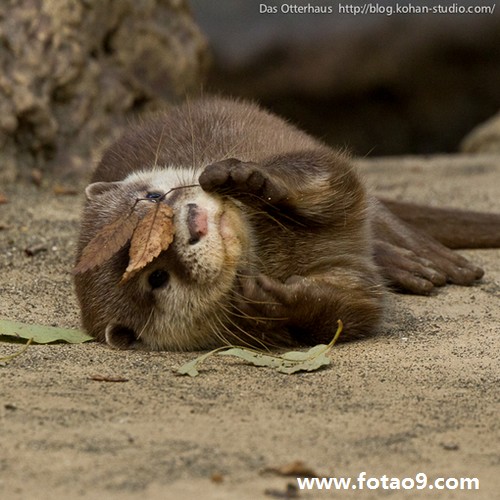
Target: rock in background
[[485, 138], [377, 84], [74, 72]]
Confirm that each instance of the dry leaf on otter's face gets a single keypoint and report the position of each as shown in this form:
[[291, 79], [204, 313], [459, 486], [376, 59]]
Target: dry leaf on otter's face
[[107, 242], [153, 234]]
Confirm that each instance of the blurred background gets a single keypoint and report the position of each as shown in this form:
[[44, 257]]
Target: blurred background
[[75, 73], [377, 84]]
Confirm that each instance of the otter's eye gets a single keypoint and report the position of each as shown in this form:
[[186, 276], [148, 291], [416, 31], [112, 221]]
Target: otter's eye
[[158, 278], [153, 195]]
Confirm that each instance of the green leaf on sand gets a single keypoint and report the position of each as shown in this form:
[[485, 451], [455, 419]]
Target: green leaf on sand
[[190, 367], [289, 362], [13, 331]]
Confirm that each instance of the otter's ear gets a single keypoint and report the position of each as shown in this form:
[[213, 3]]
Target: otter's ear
[[92, 191], [121, 337]]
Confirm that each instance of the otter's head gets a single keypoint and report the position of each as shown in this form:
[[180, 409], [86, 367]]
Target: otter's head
[[182, 299]]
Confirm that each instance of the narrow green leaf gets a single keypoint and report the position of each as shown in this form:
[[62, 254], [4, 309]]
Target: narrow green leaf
[[10, 331], [304, 355], [8, 359], [308, 365], [289, 362], [253, 357], [190, 368]]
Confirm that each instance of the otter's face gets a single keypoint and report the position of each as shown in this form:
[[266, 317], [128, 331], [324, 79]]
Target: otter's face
[[182, 299]]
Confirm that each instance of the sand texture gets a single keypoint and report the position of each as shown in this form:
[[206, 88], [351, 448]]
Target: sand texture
[[423, 396]]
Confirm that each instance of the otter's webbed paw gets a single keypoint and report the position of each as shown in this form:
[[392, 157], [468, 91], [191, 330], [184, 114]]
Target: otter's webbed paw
[[263, 300], [241, 179], [413, 261], [407, 271], [423, 265], [273, 303]]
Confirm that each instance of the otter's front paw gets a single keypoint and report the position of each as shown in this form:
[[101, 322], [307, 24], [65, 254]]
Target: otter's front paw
[[271, 302], [257, 300], [264, 300], [238, 178]]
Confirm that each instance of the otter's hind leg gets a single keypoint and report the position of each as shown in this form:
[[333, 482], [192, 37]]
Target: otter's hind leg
[[413, 261], [309, 307]]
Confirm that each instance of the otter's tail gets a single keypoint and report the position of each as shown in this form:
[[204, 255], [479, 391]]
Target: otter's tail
[[452, 227]]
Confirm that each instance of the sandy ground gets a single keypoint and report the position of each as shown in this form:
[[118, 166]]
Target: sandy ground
[[422, 397]]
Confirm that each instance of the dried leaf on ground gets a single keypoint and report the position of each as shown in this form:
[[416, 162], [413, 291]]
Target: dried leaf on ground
[[107, 242], [13, 331], [311, 362], [291, 491], [62, 190], [7, 359], [35, 249], [153, 234], [108, 378], [297, 468], [289, 362], [190, 368]]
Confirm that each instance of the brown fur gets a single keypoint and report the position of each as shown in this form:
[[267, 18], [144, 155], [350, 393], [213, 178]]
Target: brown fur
[[303, 237]]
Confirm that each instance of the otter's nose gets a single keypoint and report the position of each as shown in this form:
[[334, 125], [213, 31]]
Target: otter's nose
[[197, 222]]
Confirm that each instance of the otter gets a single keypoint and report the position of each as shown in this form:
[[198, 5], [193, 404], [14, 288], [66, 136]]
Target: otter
[[276, 236]]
